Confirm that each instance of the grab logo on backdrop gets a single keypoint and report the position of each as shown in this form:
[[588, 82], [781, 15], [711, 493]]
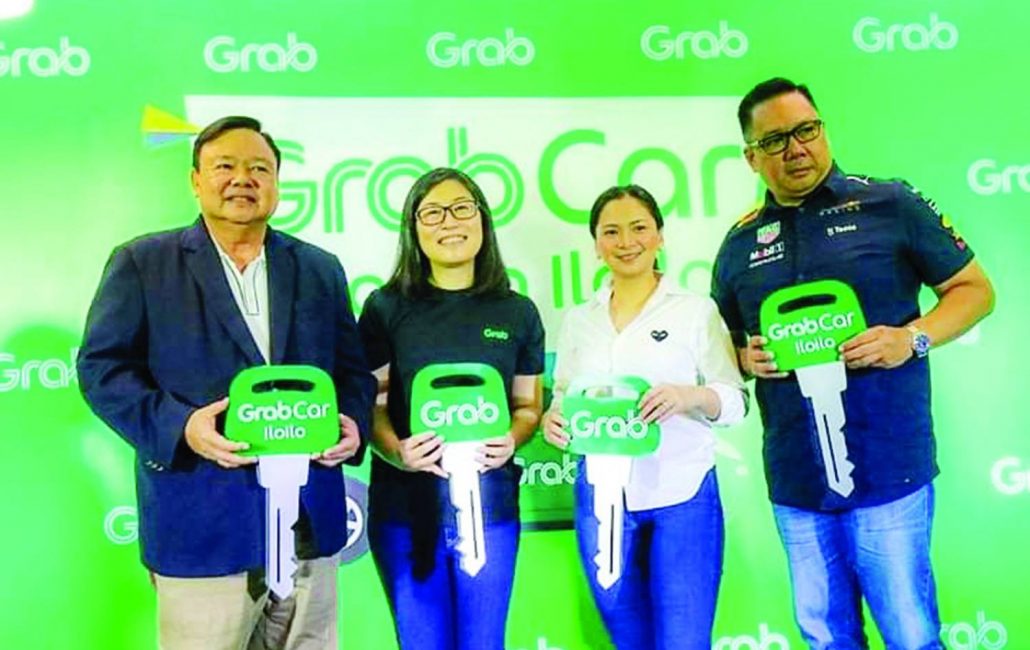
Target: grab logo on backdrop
[[766, 640], [348, 164], [542, 644], [67, 59], [505, 149], [872, 36], [222, 54], [446, 51], [121, 525], [987, 177], [979, 635], [550, 473], [660, 44], [1010, 476], [51, 374], [357, 520]]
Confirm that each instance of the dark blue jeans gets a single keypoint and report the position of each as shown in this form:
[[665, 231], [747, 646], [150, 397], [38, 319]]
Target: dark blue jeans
[[435, 605], [672, 564], [882, 553]]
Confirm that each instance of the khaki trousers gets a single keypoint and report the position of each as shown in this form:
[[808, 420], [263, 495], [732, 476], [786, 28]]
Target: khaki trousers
[[224, 613]]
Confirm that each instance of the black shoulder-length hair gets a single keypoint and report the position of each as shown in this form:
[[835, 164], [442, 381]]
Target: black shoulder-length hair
[[411, 275], [618, 192]]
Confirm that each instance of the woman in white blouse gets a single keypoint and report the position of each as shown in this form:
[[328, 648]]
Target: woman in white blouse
[[641, 323]]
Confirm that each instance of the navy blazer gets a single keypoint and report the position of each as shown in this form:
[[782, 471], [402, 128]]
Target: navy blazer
[[164, 336]]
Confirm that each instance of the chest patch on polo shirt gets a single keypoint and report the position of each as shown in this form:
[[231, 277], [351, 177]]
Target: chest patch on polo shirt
[[766, 254], [843, 229], [495, 333], [851, 205], [659, 335], [768, 233]]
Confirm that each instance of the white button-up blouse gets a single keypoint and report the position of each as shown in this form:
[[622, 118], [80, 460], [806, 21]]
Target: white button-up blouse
[[677, 338]]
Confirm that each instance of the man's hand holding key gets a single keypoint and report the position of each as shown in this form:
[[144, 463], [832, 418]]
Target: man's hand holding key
[[206, 441]]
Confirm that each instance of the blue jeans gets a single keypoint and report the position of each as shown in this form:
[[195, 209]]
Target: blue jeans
[[436, 605], [672, 563], [880, 552]]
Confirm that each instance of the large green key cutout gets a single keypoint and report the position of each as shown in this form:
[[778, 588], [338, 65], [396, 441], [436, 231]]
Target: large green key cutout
[[602, 417], [805, 324], [283, 410], [459, 401]]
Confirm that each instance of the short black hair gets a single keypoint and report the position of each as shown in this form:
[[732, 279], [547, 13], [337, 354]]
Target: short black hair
[[218, 127], [767, 90], [411, 275], [617, 192]]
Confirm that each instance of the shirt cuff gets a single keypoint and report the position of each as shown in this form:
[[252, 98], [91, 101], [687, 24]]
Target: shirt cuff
[[733, 401]]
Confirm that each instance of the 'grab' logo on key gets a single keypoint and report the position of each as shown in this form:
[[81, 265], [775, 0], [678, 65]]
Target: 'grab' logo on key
[[871, 36], [584, 425], [221, 54], [445, 51], [660, 44], [434, 415]]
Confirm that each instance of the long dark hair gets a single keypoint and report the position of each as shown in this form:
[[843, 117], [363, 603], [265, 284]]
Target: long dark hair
[[411, 275]]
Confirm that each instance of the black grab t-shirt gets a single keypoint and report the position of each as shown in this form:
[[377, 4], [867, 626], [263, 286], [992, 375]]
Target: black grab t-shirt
[[445, 327]]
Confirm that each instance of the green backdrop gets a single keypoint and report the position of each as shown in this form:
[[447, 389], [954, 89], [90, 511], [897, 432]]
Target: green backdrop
[[545, 103]]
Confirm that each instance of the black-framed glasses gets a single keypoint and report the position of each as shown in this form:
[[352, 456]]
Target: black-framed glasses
[[778, 142], [432, 215]]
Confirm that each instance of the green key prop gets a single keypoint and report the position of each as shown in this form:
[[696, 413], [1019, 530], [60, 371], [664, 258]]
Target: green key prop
[[804, 324], [461, 402], [608, 423], [283, 410]]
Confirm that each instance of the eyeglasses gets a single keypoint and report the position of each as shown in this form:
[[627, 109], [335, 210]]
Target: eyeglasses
[[778, 142], [433, 215]]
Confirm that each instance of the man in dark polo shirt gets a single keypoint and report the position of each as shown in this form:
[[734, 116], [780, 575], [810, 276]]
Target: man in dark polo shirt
[[885, 240]]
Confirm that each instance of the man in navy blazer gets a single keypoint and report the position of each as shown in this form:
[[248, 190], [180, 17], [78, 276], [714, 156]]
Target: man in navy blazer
[[177, 315]]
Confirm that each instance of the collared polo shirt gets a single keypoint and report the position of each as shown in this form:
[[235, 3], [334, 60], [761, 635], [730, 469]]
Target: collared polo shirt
[[885, 240]]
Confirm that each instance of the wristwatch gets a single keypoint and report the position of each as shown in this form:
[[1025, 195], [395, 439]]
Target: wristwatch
[[920, 341]]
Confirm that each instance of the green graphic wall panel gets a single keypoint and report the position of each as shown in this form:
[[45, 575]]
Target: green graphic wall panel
[[546, 104]]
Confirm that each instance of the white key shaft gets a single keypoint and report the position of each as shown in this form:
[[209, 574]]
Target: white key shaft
[[824, 384], [608, 475], [281, 476], [459, 461]]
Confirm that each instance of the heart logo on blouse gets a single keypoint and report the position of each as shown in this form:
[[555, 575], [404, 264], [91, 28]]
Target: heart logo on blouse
[[659, 335]]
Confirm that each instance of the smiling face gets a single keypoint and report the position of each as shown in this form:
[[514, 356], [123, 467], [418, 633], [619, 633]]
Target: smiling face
[[452, 242], [797, 170], [627, 237], [236, 182]]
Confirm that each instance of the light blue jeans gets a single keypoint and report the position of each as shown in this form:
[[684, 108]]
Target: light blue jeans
[[880, 552], [672, 565], [435, 605]]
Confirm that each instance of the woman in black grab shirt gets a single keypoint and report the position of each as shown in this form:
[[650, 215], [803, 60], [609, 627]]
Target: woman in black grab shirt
[[448, 300]]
